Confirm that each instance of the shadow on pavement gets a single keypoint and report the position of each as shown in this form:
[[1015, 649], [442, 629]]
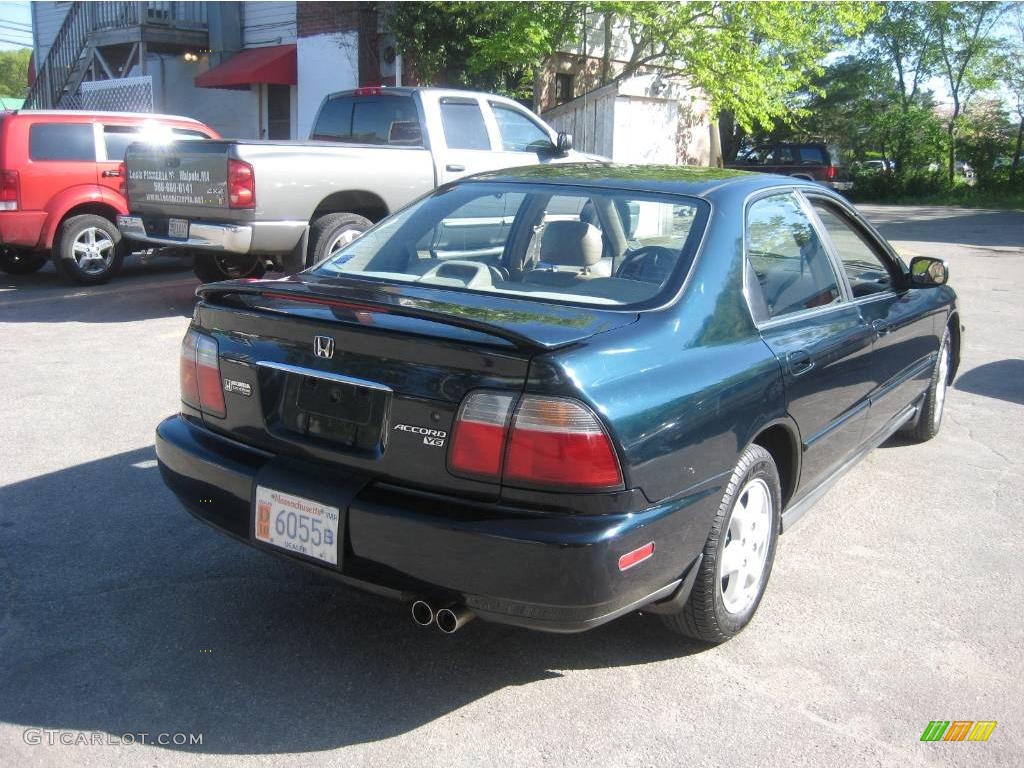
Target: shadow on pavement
[[120, 613], [947, 224], [1003, 379]]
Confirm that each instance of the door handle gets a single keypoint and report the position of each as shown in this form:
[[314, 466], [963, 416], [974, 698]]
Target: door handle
[[799, 362], [111, 174], [455, 168], [881, 327]]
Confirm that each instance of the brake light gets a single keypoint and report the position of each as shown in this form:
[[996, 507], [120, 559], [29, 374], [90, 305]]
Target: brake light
[[200, 374], [553, 442], [478, 441], [9, 188], [241, 185], [369, 90], [830, 173]]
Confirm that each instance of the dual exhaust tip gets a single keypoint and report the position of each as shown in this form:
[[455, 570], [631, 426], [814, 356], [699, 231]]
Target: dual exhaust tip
[[449, 619]]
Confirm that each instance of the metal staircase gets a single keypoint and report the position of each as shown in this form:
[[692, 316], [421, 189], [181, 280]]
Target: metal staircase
[[126, 27]]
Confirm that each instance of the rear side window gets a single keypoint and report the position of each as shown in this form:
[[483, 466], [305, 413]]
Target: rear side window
[[390, 120], [792, 269], [62, 141], [464, 124], [813, 155]]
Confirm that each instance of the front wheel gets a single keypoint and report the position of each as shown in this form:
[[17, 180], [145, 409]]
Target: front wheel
[[738, 555], [214, 267], [88, 249], [929, 419], [21, 262]]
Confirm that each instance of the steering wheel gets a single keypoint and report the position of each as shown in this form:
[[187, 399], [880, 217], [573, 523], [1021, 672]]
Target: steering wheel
[[649, 264]]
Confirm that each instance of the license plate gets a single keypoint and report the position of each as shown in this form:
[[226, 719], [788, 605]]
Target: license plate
[[298, 525], [177, 228]]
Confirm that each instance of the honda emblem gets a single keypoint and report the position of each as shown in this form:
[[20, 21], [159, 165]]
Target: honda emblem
[[323, 346]]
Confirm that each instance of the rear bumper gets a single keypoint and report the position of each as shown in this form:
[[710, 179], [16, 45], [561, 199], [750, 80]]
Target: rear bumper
[[553, 572], [202, 236], [839, 186]]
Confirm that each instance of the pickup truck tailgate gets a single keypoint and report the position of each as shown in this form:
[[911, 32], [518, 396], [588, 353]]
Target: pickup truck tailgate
[[185, 178]]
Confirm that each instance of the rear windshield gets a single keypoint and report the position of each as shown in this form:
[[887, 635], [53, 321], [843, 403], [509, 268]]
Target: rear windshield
[[391, 120], [563, 244]]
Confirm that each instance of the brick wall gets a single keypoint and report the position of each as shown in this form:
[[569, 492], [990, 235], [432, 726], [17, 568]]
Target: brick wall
[[361, 17]]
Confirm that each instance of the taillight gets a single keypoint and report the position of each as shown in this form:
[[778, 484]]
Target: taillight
[[478, 441], [830, 173], [552, 442], [9, 190], [241, 185], [200, 374]]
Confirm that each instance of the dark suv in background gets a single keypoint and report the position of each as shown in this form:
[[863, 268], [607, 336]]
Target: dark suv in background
[[814, 162]]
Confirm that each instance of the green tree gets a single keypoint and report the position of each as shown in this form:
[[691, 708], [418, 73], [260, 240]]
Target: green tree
[[14, 72], [1012, 67], [966, 46]]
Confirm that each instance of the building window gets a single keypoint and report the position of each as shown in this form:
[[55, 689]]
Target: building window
[[563, 88]]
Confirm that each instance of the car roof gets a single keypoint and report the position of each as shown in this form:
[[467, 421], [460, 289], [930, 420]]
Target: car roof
[[694, 181], [101, 115]]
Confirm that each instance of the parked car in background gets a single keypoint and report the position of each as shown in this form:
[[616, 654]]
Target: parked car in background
[[878, 166], [61, 186], [813, 161], [595, 404], [237, 205]]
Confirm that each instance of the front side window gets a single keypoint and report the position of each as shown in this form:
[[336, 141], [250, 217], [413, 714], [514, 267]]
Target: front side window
[[62, 141], [518, 132], [463, 124], [791, 267], [865, 268], [542, 242]]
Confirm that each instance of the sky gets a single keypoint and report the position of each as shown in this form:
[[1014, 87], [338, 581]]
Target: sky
[[15, 25]]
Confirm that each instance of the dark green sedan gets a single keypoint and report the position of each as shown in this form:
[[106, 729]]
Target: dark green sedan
[[551, 396]]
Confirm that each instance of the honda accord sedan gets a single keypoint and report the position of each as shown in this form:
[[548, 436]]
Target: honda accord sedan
[[551, 396]]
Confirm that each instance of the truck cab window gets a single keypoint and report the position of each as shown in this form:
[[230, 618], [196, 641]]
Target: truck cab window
[[518, 132], [463, 124]]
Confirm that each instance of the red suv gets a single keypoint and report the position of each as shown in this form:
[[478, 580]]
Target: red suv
[[60, 187], [812, 161]]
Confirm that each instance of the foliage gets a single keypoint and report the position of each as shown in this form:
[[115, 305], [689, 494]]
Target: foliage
[[14, 72]]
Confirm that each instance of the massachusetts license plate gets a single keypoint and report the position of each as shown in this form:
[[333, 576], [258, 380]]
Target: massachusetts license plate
[[177, 228], [296, 524]]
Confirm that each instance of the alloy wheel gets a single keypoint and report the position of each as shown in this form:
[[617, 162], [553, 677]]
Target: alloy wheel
[[93, 250], [748, 537]]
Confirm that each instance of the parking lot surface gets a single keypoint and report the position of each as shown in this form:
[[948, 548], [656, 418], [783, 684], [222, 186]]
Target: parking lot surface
[[894, 602]]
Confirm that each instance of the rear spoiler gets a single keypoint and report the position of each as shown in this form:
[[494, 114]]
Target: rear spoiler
[[403, 306]]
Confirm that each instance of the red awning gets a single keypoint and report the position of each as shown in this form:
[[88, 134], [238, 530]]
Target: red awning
[[276, 64]]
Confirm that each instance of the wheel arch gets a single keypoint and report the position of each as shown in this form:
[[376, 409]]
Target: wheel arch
[[782, 440], [361, 202], [75, 203]]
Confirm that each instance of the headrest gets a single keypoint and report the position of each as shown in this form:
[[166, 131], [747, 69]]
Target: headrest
[[571, 244]]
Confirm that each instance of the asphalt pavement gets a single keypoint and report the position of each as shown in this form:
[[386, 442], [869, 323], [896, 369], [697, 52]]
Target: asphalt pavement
[[895, 601]]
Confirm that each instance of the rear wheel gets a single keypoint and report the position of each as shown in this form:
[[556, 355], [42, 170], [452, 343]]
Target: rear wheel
[[88, 249], [330, 233], [214, 267], [929, 419], [21, 262], [738, 555]]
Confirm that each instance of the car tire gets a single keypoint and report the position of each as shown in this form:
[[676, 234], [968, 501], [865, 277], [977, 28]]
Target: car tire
[[21, 262], [929, 418], [332, 232], [88, 249], [214, 267], [730, 582]]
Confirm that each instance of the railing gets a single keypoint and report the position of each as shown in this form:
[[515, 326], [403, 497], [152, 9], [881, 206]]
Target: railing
[[57, 70]]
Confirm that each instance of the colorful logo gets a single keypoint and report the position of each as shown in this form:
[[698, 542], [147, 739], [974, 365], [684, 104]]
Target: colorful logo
[[958, 730]]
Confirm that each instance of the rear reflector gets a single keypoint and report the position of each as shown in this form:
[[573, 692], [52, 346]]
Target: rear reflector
[[636, 557], [9, 190], [478, 442], [200, 374], [557, 442]]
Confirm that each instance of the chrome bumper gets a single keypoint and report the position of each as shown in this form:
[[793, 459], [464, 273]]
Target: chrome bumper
[[232, 238], [840, 186]]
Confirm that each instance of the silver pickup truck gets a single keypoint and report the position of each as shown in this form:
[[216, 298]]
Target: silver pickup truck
[[239, 206]]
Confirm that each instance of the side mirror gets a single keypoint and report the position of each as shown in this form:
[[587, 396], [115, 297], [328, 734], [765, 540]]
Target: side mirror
[[564, 143], [926, 272]]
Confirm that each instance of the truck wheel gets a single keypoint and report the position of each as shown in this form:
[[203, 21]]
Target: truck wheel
[[330, 233], [214, 267], [88, 249], [21, 262], [738, 555]]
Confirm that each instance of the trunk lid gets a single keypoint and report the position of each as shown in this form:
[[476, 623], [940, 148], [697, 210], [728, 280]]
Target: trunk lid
[[371, 378]]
